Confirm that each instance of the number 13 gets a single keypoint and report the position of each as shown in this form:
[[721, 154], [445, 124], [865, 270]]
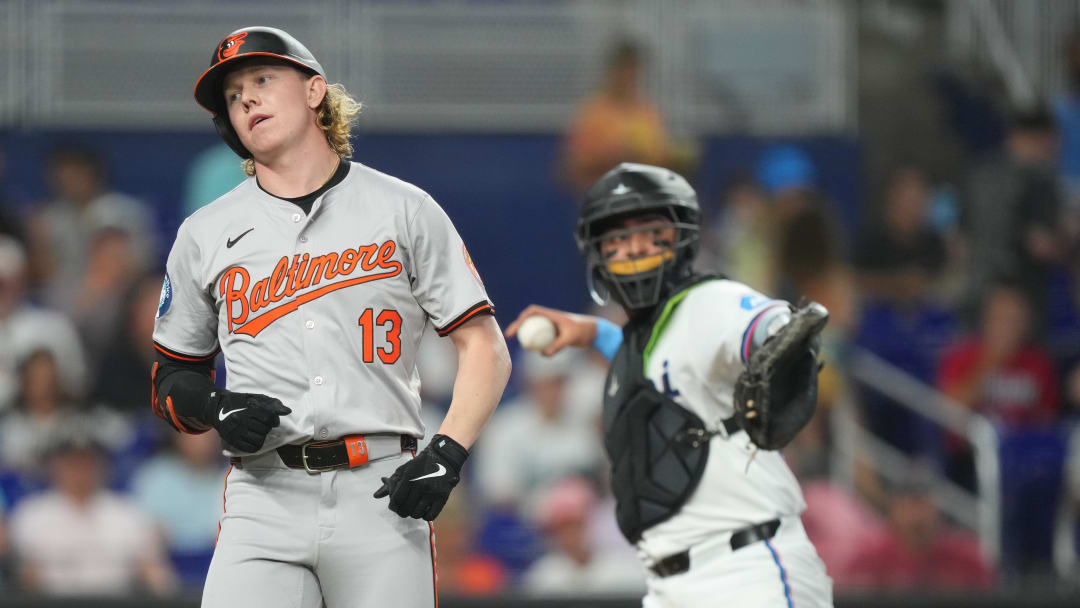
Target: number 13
[[367, 322]]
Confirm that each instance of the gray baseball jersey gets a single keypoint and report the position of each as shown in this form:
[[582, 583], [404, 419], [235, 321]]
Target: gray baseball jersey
[[322, 311]]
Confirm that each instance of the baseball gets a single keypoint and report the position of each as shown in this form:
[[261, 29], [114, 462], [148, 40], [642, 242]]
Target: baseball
[[536, 332]]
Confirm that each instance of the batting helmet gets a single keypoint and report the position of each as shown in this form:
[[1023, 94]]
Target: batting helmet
[[636, 190], [246, 43]]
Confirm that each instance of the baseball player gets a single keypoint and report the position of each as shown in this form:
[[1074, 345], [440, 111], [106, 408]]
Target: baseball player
[[708, 379], [315, 278]]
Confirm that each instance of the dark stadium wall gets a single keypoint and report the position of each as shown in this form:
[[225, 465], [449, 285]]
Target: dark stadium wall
[[501, 191]]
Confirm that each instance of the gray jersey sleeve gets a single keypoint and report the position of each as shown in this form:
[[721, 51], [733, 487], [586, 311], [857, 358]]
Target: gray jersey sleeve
[[186, 324], [445, 281]]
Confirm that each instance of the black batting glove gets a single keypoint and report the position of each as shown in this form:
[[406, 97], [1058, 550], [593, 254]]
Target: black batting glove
[[243, 419], [420, 487]]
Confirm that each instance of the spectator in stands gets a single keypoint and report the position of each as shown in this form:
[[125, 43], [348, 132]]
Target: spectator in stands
[[1013, 209], [811, 260], [94, 302], [463, 570], [1001, 372], [63, 231], [42, 409], [807, 241], [789, 177], [740, 241], [25, 329], [619, 123], [81, 539], [917, 550], [517, 462], [181, 490], [574, 565], [899, 319], [121, 384], [809, 250], [901, 254]]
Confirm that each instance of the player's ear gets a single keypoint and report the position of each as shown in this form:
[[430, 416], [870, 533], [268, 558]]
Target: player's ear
[[316, 91]]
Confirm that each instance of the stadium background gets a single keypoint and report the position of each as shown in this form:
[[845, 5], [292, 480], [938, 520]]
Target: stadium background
[[831, 104]]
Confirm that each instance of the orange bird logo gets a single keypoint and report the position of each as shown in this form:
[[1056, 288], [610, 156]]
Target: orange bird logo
[[230, 46]]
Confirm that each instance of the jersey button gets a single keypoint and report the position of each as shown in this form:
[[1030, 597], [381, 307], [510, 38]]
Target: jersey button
[[318, 380], [323, 434], [303, 239], [309, 324], [296, 218]]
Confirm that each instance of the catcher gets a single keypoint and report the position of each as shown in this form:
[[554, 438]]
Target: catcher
[[708, 379]]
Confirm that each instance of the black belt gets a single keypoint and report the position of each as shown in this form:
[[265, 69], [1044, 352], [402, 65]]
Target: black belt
[[327, 455], [680, 562]]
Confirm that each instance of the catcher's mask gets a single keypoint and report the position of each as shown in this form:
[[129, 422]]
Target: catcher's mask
[[247, 43], [637, 191]]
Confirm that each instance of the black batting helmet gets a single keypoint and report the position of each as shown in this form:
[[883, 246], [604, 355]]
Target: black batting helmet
[[636, 190], [246, 43]]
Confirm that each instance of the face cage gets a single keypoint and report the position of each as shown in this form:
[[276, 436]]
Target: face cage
[[639, 290]]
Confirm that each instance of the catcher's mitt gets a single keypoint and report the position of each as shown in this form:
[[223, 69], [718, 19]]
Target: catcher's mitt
[[776, 394]]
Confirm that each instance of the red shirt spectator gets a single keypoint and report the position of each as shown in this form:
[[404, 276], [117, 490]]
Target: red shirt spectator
[[1000, 372], [1020, 390]]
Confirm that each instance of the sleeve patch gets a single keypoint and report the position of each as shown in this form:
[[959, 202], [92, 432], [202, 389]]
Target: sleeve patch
[[470, 264], [166, 297], [752, 302]]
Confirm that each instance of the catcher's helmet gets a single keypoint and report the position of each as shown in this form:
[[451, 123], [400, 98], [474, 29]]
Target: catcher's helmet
[[246, 43], [636, 190]]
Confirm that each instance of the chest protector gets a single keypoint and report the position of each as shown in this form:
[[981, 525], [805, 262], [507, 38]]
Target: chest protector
[[658, 449]]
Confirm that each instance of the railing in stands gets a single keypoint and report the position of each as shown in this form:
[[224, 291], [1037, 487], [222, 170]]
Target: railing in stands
[[980, 511]]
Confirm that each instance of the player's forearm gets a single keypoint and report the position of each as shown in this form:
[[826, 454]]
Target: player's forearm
[[157, 577], [483, 369], [181, 393]]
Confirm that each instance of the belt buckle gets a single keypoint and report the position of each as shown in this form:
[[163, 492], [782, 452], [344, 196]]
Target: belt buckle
[[672, 564], [303, 460]]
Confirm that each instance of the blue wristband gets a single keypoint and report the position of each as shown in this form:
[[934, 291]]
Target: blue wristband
[[608, 338]]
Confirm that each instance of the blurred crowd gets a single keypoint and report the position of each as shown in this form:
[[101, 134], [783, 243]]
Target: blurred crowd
[[967, 283]]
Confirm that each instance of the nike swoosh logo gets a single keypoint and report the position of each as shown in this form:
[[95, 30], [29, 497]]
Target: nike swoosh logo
[[438, 473], [230, 242], [222, 415]]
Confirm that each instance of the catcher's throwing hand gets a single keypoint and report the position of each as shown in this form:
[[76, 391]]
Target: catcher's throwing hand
[[570, 329], [420, 487], [243, 419], [776, 394]]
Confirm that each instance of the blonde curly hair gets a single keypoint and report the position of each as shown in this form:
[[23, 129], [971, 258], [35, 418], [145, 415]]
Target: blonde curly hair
[[336, 115]]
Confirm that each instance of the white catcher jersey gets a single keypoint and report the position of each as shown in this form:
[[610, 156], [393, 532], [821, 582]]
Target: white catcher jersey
[[696, 361], [322, 311]]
